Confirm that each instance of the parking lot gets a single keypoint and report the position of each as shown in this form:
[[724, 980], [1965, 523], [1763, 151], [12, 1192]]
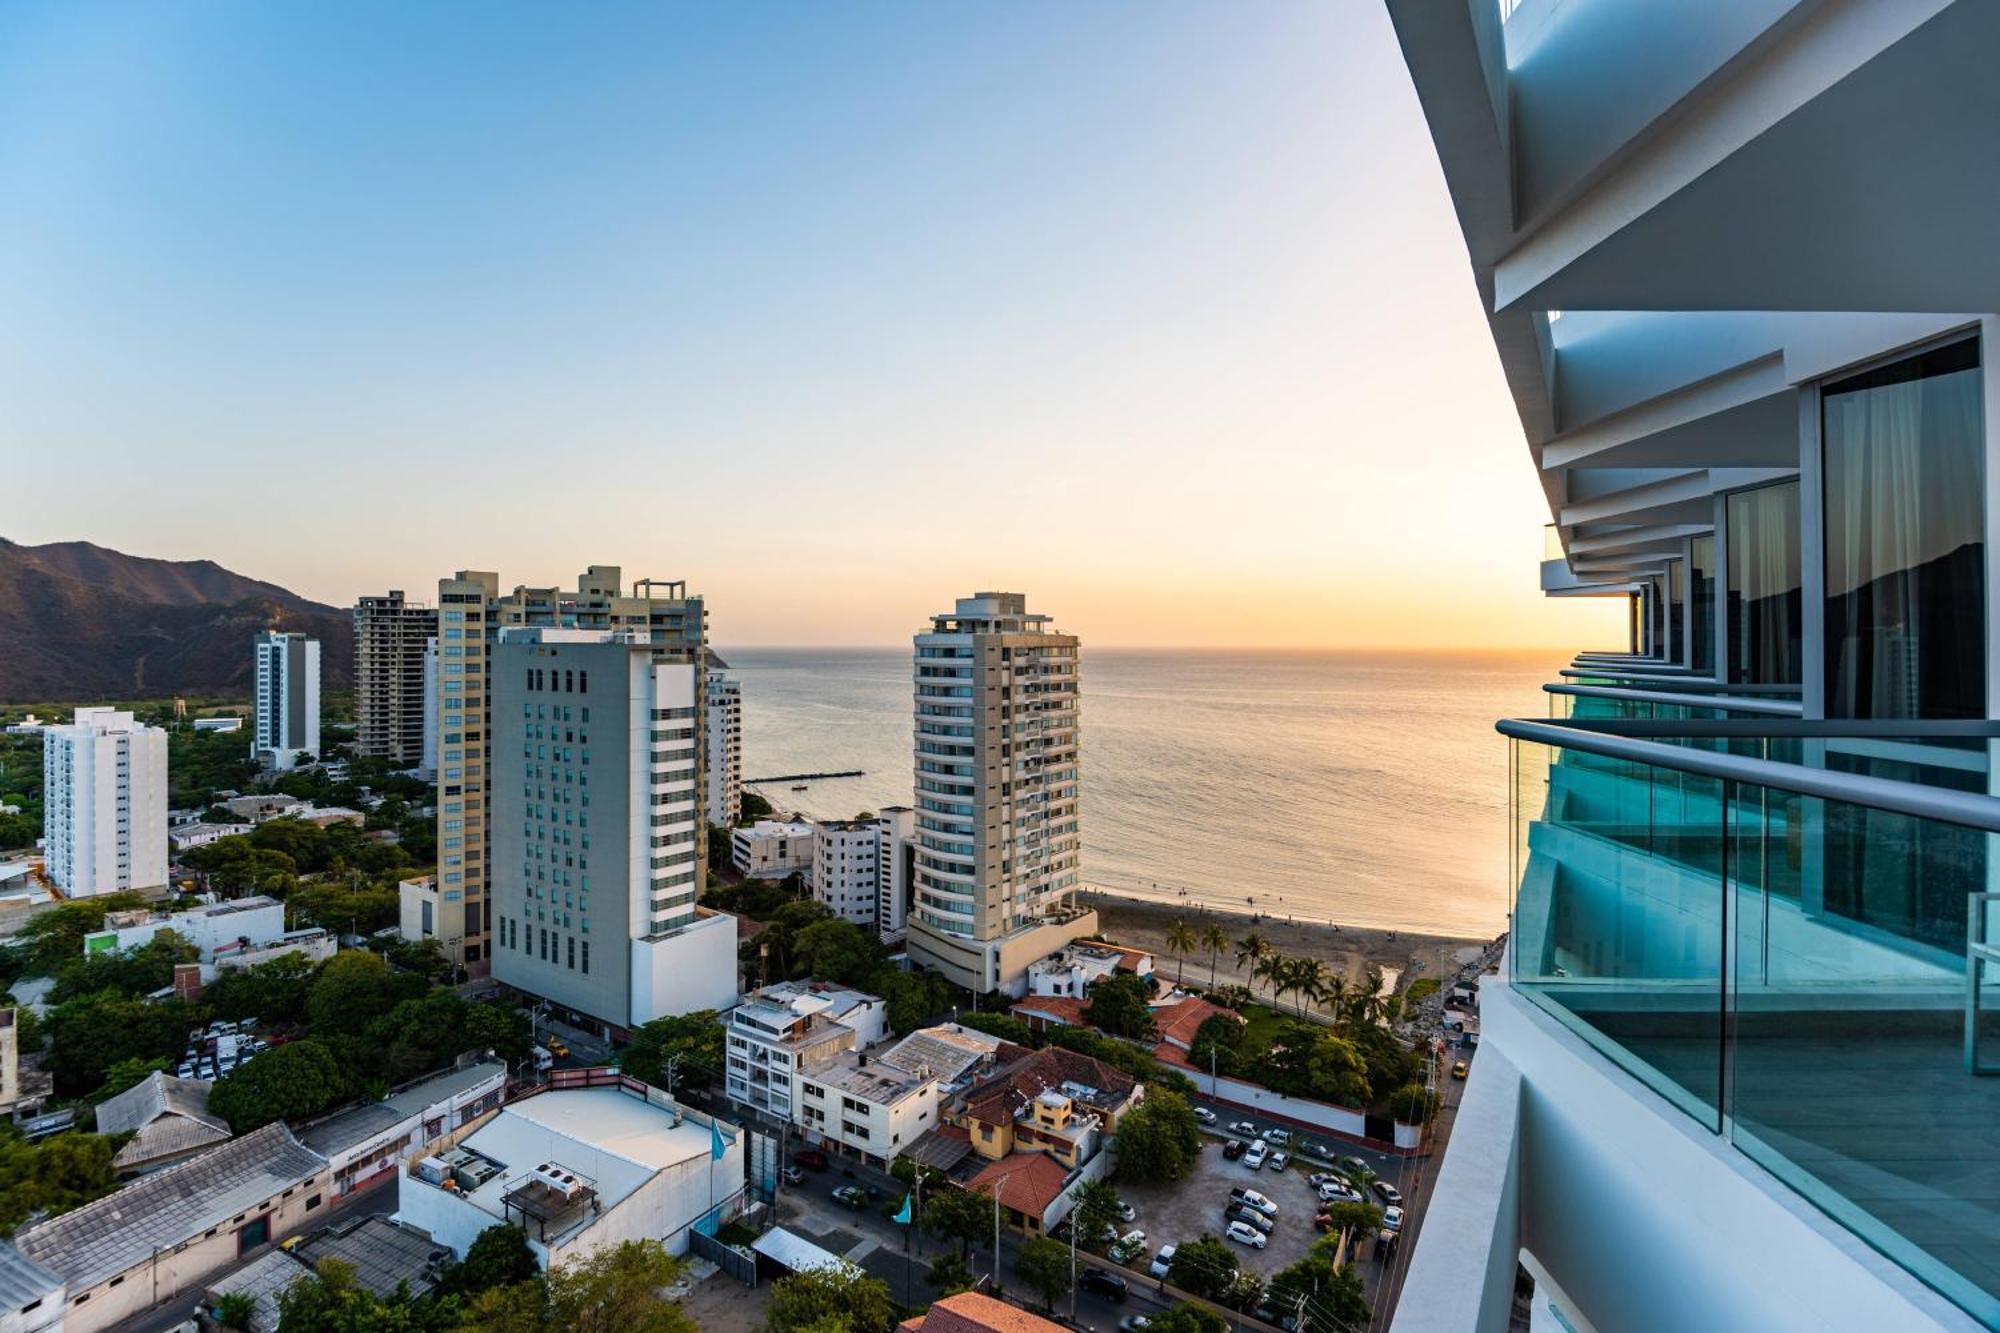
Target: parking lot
[[1190, 1208]]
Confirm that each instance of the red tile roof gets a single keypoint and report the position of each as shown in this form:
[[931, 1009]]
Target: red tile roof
[[1032, 1181], [1132, 957], [1026, 1074], [972, 1312], [1179, 1022], [1054, 1008]]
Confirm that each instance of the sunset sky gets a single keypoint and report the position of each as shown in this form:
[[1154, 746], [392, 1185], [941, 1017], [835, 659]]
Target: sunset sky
[[1157, 312]]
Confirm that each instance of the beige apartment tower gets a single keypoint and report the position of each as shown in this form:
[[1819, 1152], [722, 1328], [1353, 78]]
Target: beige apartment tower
[[389, 637], [471, 611], [996, 793]]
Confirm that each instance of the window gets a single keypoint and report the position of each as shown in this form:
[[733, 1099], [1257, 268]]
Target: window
[[312, 1202], [1701, 603], [1904, 467], [1762, 592]]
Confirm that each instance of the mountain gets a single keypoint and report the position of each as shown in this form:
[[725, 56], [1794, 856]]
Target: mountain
[[81, 622]]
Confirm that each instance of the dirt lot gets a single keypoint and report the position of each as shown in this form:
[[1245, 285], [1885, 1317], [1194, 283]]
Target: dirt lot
[[1189, 1208]]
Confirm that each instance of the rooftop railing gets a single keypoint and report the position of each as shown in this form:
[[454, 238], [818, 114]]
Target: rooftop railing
[[1779, 926]]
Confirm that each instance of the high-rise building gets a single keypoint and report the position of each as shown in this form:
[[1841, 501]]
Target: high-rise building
[[723, 735], [1735, 270], [597, 841], [471, 613], [287, 702], [104, 804], [390, 634], [860, 869], [996, 784]]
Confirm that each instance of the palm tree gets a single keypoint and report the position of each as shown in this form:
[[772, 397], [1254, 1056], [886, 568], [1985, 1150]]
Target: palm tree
[[1310, 979], [1252, 949], [1215, 940], [1270, 969], [1182, 941], [1333, 994], [1284, 978]]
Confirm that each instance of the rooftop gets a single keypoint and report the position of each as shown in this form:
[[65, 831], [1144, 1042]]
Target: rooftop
[[358, 1124], [946, 1051], [871, 1082], [1028, 1074], [166, 1116], [22, 1280], [975, 1312], [1026, 1182], [382, 1252], [103, 1239]]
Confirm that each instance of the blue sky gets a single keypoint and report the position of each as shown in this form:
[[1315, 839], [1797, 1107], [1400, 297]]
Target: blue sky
[[833, 310]]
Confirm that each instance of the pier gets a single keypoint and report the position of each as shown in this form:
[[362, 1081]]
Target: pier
[[806, 777]]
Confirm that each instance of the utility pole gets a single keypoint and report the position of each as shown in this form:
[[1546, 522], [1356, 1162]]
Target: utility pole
[[1000, 1189], [1075, 1224]]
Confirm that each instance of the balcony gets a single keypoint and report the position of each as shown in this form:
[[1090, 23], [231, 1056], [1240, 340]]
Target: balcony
[[1780, 927]]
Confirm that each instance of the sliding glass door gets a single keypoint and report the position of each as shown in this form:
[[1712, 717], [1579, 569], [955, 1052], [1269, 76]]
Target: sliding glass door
[[1763, 586]]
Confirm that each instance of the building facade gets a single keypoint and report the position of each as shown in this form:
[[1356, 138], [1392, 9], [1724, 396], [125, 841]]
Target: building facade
[[104, 804], [784, 1028], [471, 612], [860, 869], [390, 637], [772, 848], [722, 732], [1738, 1027], [996, 758], [598, 847], [286, 706]]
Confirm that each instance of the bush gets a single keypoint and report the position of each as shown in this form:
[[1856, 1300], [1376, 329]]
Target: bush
[[287, 1082]]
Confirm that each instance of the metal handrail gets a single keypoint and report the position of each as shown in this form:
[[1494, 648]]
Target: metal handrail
[[1775, 707], [1700, 684], [1966, 809]]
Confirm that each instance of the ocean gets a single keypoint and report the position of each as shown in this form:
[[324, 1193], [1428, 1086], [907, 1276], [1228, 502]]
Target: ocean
[[1358, 788]]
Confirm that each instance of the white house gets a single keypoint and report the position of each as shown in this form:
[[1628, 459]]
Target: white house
[[772, 848]]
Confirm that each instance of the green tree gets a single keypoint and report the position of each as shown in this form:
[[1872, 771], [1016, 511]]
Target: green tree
[[835, 950], [1361, 1219], [1157, 1140], [1118, 1005], [274, 992], [126, 1074], [91, 1033], [1216, 1043], [331, 1300], [949, 1274], [1181, 941], [1214, 939], [1305, 1060], [915, 998], [965, 1216], [690, 1045], [1097, 1206], [1413, 1103], [289, 1082], [617, 1290], [1044, 1265], [56, 936], [236, 1309], [808, 1300], [498, 1257], [353, 989], [52, 1176], [755, 807], [1004, 1026], [1187, 1317], [1206, 1267]]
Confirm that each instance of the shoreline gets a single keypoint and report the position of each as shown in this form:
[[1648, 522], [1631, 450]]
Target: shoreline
[[1349, 950]]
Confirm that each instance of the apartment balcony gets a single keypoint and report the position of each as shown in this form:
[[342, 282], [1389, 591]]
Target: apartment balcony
[[1781, 928]]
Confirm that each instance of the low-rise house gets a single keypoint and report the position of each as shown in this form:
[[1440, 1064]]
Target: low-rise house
[[172, 1230], [865, 1108], [974, 1312], [168, 1119], [199, 834], [259, 808], [772, 848], [363, 1144], [221, 724], [22, 1091], [581, 1165], [1071, 969], [1180, 1017], [384, 1255], [216, 930]]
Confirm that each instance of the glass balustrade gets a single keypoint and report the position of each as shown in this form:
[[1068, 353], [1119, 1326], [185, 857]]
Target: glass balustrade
[[1805, 974]]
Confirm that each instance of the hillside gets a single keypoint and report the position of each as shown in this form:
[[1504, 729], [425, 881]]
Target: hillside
[[81, 622]]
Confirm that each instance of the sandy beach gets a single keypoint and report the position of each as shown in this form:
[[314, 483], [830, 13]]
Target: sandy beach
[[1349, 950]]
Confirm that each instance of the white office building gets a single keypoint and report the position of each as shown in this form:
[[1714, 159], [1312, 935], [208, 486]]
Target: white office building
[[596, 830], [286, 704], [104, 804], [1737, 1068], [861, 869], [996, 783], [780, 1030], [722, 734]]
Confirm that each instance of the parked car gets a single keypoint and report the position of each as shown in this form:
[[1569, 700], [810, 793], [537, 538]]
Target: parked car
[[1353, 1164], [1249, 1216], [1387, 1193], [1233, 1149], [1126, 1213], [1129, 1247], [1108, 1285], [1133, 1323], [1338, 1191], [792, 1175], [1255, 1200], [1279, 1137], [1203, 1114], [1243, 1127], [812, 1159], [1280, 1160], [851, 1195], [1253, 1156], [1460, 1070], [558, 1047], [1163, 1261], [1245, 1235], [1392, 1219], [1321, 1179]]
